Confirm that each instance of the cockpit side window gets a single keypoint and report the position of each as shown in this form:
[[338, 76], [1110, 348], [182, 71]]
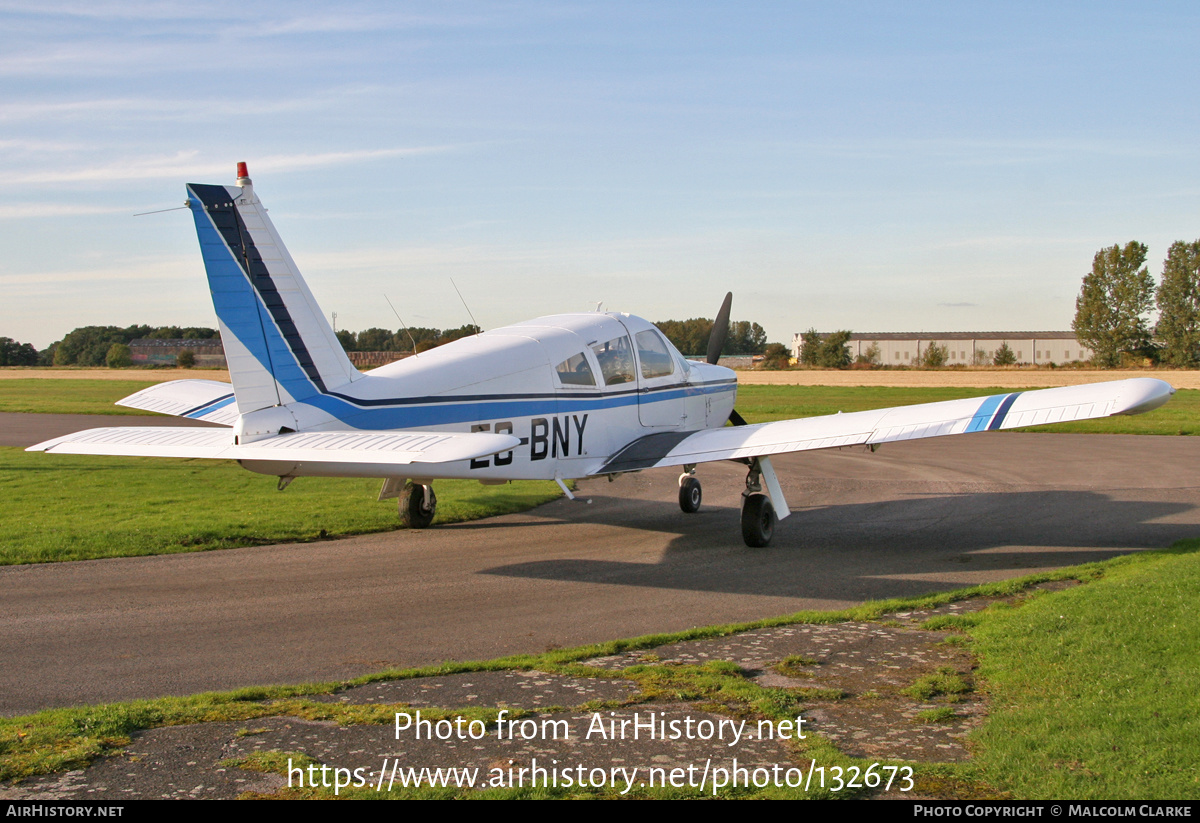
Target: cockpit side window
[[575, 371], [616, 360], [652, 351]]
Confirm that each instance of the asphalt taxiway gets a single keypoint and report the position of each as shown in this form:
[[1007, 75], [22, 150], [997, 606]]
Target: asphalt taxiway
[[911, 518]]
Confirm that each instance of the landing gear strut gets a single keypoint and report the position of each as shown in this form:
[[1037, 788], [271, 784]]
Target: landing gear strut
[[417, 506], [689, 491]]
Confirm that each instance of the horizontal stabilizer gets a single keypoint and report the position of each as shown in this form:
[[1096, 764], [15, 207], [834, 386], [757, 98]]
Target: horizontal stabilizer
[[209, 400], [999, 411], [350, 448]]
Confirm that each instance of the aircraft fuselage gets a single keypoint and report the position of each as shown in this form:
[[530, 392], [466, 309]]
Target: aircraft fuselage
[[575, 389]]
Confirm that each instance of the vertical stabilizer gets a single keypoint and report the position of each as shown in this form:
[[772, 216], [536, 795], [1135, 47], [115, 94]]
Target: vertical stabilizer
[[277, 342]]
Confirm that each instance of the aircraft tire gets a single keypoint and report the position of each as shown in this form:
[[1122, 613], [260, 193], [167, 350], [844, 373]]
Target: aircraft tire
[[758, 521], [690, 495], [416, 512]]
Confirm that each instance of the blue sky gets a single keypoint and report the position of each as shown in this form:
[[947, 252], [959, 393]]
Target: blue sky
[[870, 166]]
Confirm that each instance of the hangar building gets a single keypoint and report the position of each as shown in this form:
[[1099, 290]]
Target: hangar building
[[965, 348]]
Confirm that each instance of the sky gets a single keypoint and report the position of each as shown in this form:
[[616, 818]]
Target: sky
[[897, 166]]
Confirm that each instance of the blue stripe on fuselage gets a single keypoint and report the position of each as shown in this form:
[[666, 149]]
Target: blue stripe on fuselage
[[448, 410]]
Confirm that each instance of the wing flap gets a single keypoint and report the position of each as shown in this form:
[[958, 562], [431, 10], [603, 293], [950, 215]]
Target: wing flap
[[351, 448], [1000, 411], [209, 400]]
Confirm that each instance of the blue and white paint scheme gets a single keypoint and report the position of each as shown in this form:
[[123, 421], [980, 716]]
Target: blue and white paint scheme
[[561, 397]]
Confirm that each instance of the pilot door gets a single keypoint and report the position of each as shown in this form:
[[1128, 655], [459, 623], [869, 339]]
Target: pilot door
[[661, 402]]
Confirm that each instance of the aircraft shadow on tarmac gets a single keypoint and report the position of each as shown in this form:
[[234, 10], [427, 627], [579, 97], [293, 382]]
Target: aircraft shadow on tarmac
[[875, 549]]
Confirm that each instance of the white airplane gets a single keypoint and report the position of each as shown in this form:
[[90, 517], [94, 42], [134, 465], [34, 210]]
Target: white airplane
[[557, 398]]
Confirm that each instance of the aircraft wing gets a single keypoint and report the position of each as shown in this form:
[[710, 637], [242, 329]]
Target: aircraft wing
[[330, 448], [998, 411], [209, 400]]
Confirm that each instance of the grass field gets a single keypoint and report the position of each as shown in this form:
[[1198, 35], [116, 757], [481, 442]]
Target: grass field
[[1095, 689], [1093, 692], [67, 507], [32, 395]]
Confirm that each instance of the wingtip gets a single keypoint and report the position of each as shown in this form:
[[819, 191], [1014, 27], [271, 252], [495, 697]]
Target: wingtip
[[1143, 394]]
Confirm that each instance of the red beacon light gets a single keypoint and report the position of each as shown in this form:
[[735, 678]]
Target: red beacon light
[[243, 175]]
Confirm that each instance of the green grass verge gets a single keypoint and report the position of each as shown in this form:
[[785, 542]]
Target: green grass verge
[[49, 396], [68, 507], [759, 404], [1096, 690], [1093, 691]]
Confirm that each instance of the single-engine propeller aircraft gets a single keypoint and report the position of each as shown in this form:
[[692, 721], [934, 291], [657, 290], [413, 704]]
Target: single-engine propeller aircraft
[[564, 397]]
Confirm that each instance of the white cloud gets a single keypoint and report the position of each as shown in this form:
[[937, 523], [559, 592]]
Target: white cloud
[[164, 269], [187, 164]]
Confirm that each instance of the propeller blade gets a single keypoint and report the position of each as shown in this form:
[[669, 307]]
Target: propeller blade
[[716, 340]]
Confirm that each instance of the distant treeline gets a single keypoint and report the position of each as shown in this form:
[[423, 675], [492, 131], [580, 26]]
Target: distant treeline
[[415, 338], [691, 336], [13, 353], [90, 345]]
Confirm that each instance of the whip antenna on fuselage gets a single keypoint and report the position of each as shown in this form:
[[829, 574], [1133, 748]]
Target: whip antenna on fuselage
[[402, 325], [474, 322]]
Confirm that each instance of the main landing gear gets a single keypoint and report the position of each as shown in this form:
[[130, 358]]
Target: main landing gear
[[762, 501], [689, 491], [758, 513], [758, 520], [417, 506]]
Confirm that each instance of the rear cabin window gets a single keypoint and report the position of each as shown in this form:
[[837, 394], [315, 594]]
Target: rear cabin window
[[652, 351], [575, 371], [616, 360]]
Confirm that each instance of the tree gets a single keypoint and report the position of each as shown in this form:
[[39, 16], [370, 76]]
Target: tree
[[810, 348], [13, 353], [118, 356], [935, 356], [871, 357], [1179, 305], [1004, 356], [1110, 307], [185, 359], [375, 339], [775, 356], [834, 353]]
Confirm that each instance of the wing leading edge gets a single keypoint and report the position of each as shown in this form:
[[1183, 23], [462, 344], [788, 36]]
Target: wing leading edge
[[998, 411]]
